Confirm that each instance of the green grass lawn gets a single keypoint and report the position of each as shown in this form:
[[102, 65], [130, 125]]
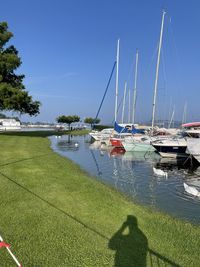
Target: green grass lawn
[[54, 214]]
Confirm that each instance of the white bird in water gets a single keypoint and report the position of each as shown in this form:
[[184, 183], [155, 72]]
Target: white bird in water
[[76, 144], [160, 172], [191, 190]]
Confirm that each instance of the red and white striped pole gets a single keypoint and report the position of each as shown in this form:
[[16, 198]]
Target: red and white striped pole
[[7, 246]]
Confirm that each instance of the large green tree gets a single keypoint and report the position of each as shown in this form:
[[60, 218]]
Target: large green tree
[[13, 95], [92, 121], [68, 119]]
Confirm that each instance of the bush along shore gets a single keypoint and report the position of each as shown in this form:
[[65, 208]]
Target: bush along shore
[[55, 214]]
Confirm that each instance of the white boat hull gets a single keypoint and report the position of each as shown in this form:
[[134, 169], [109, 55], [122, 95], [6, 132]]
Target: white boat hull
[[173, 155], [193, 147]]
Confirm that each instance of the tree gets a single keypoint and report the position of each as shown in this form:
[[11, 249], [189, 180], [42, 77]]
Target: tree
[[68, 119], [2, 116], [92, 121], [13, 96]]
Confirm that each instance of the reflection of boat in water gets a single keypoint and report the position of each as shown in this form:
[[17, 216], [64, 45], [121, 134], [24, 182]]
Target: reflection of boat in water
[[117, 151], [177, 164], [67, 145], [105, 147], [95, 145], [141, 156]]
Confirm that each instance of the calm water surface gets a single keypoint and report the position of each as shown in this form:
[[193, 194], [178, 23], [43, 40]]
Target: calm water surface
[[132, 173]]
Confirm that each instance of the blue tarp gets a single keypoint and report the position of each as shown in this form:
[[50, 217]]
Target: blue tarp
[[127, 129]]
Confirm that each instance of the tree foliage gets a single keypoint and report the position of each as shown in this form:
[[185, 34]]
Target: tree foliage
[[92, 121], [2, 116], [12, 90], [68, 119]]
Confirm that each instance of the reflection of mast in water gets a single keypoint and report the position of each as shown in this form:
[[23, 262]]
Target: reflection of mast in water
[[115, 172], [129, 165], [96, 163], [152, 191], [152, 159], [123, 175], [147, 158]]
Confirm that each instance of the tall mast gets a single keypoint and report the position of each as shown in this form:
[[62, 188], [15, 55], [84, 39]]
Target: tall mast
[[117, 74], [124, 99], [170, 107], [184, 113], [172, 118], [157, 70], [135, 87], [129, 106]]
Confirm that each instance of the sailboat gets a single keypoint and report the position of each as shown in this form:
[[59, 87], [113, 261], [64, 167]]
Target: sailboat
[[123, 130], [143, 143]]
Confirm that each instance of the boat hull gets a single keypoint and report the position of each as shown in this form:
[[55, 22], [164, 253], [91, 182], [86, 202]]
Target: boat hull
[[116, 142], [193, 147], [138, 147], [171, 151]]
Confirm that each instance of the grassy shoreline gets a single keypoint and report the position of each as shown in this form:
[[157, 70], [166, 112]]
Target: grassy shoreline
[[54, 214]]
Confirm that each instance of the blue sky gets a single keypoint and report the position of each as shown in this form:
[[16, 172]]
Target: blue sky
[[68, 48]]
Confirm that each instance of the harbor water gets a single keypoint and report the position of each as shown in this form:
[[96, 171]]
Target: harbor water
[[132, 174]]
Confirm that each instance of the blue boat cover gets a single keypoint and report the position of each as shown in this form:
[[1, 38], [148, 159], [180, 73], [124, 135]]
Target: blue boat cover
[[127, 129]]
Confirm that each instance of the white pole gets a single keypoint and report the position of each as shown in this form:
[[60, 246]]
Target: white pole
[[157, 70], [172, 117], [135, 87], [129, 106], [117, 74], [184, 113], [124, 99], [170, 105]]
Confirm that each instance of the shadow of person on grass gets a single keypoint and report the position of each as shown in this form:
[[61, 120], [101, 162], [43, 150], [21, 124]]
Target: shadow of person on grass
[[130, 244]]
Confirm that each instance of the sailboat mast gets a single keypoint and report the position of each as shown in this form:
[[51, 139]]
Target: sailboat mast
[[129, 105], [172, 118], [117, 74], [157, 70], [124, 99], [170, 107], [184, 113], [135, 86]]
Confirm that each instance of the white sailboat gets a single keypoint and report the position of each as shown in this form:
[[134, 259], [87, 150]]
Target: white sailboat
[[143, 143], [104, 134]]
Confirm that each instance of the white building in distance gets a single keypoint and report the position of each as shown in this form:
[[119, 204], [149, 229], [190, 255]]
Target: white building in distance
[[9, 124]]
